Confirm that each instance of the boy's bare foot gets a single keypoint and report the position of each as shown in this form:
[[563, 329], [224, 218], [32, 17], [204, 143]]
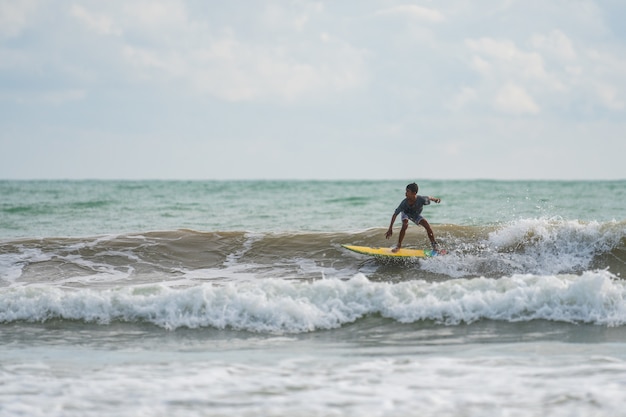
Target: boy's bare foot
[[396, 249]]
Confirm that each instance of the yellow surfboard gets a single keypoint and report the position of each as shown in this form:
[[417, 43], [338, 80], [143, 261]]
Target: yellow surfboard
[[386, 252]]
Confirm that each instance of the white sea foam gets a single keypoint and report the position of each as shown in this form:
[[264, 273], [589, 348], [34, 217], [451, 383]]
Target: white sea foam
[[12, 264], [251, 238], [471, 381], [280, 306], [534, 246]]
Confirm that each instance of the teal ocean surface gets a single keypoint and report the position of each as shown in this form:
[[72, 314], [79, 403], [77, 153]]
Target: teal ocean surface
[[203, 298]]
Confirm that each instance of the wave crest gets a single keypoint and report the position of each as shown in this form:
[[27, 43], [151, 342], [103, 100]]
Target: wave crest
[[279, 306]]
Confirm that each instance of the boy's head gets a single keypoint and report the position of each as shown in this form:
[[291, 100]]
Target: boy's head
[[412, 187]]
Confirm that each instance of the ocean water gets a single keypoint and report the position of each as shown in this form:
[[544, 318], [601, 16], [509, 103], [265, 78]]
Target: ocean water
[[222, 298]]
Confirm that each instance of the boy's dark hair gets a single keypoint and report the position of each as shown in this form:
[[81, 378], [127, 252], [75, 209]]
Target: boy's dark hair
[[412, 187]]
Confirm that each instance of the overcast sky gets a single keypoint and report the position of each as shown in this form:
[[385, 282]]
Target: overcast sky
[[362, 89]]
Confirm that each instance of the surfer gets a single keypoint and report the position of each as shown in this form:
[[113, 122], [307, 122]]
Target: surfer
[[411, 209]]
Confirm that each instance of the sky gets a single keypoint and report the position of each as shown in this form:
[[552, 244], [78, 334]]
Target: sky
[[367, 89]]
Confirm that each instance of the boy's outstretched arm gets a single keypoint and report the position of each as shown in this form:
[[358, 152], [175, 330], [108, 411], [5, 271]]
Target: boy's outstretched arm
[[435, 199], [390, 230]]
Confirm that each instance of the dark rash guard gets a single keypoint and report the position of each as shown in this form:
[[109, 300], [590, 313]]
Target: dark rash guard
[[413, 212]]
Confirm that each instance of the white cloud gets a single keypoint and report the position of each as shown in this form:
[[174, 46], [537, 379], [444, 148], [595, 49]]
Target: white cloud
[[508, 58], [15, 16], [518, 79], [464, 97], [277, 16], [237, 71], [551, 71], [171, 46], [480, 65], [95, 22], [609, 96], [157, 14], [515, 100], [601, 77], [555, 43]]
